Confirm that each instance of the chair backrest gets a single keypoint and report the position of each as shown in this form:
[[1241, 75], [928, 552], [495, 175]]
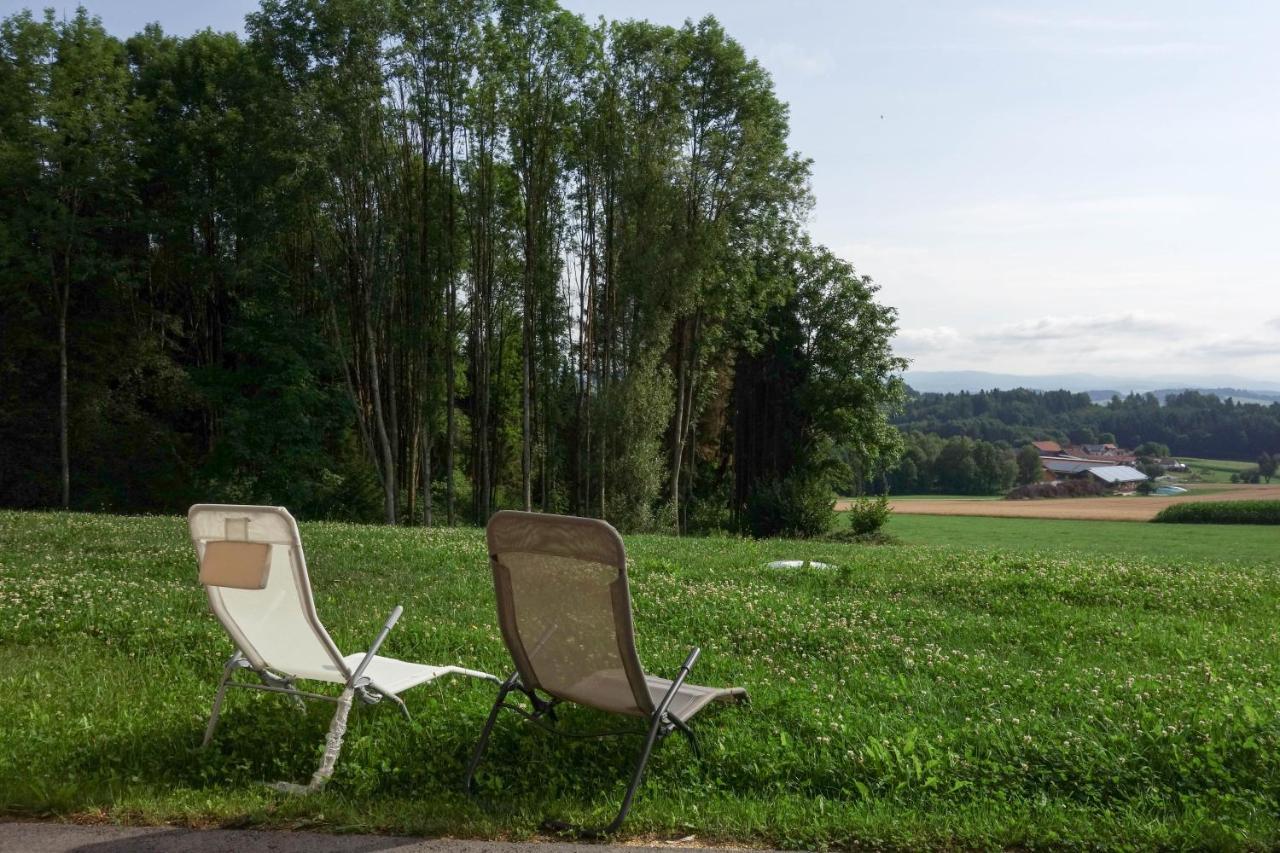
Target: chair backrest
[[253, 569], [564, 609]]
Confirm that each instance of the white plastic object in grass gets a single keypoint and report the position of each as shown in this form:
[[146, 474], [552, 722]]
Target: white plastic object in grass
[[799, 564]]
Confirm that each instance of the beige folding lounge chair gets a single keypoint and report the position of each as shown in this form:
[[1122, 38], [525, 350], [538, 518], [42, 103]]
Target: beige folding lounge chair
[[564, 610], [253, 569]]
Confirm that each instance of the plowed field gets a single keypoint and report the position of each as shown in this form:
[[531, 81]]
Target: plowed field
[[1121, 508]]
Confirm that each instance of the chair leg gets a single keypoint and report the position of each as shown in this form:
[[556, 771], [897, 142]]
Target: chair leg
[[332, 748], [655, 734], [689, 735], [289, 688], [483, 743], [217, 699], [403, 710], [299, 704]]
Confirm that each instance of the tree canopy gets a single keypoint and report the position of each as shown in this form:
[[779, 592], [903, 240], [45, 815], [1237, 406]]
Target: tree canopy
[[1191, 423], [405, 259]]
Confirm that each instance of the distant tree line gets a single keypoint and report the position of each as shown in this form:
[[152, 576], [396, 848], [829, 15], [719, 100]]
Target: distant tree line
[[958, 465], [1189, 423], [414, 260], [1261, 472]]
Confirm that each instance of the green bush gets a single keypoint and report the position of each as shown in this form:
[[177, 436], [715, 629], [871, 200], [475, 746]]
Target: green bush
[[796, 506], [868, 515], [1221, 512]]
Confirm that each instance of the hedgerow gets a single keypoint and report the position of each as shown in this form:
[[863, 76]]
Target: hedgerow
[[1221, 512], [1062, 489]]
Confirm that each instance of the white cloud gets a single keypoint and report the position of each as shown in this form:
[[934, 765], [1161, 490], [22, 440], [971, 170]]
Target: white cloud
[[802, 61], [1098, 34], [1160, 48], [1247, 347], [1006, 216], [913, 342], [1100, 23], [1105, 344], [1083, 328]]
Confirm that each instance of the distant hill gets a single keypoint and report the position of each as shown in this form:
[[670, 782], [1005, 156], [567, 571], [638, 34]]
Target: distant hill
[[1240, 395], [1099, 388]]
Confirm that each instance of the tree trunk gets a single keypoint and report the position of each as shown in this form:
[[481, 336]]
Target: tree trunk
[[449, 343], [526, 351], [450, 429], [427, 519], [677, 429], [63, 447], [384, 441]]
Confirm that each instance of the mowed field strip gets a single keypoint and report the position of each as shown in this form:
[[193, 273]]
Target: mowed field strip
[[1124, 508]]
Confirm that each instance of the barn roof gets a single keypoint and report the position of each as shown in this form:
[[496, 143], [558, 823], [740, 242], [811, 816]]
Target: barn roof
[[1117, 474], [1071, 466]]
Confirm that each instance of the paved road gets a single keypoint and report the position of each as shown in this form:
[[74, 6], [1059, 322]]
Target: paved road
[[23, 837]]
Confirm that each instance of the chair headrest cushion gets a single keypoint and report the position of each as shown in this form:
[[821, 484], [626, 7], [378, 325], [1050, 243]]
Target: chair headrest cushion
[[241, 565]]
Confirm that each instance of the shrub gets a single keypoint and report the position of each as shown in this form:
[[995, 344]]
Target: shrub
[[795, 506], [1062, 489], [876, 537], [1221, 512], [868, 515]]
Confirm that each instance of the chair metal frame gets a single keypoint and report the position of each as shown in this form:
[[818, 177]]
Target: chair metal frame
[[661, 724], [661, 721], [355, 686]]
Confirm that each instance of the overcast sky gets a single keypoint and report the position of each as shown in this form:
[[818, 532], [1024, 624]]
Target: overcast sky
[[1037, 187]]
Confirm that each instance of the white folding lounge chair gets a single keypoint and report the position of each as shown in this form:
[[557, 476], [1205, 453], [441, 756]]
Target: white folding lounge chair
[[564, 609], [252, 568]]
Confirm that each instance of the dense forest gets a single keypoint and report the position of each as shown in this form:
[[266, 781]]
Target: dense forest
[[414, 260], [1190, 423], [958, 465]]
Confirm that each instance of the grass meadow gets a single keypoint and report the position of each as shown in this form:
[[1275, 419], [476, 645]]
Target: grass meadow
[[1215, 470], [1174, 544], [992, 689]]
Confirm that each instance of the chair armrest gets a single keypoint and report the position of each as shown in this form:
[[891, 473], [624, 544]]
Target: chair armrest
[[377, 641]]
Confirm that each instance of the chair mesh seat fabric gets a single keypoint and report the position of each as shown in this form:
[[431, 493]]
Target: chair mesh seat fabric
[[689, 699], [565, 612], [564, 615], [276, 626], [390, 675]]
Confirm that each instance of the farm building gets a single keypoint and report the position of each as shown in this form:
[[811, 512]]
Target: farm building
[[1065, 467], [1108, 453], [1099, 449], [1118, 476], [1048, 448], [1113, 476]]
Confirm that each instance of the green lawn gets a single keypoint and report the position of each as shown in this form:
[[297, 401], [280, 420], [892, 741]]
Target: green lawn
[[941, 696], [1215, 470], [1166, 542]]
